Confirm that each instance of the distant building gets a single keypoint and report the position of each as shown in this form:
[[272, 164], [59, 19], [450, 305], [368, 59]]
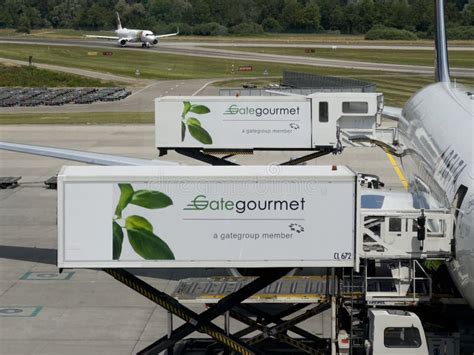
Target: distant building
[[305, 84]]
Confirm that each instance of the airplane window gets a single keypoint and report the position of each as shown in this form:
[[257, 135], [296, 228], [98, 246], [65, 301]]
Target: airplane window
[[355, 107], [402, 337], [323, 112]]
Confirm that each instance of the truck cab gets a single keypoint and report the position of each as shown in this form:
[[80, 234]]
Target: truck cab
[[395, 332]]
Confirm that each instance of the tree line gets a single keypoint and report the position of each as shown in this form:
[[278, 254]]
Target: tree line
[[241, 17]]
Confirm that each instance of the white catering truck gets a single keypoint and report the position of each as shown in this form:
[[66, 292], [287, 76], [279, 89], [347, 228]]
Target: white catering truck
[[317, 121], [202, 216], [251, 217]]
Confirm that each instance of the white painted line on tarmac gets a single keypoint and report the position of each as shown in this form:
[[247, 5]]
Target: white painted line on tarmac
[[204, 86], [139, 91]]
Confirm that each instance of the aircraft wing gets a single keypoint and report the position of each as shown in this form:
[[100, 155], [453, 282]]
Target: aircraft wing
[[81, 156], [167, 35], [115, 38], [395, 113]]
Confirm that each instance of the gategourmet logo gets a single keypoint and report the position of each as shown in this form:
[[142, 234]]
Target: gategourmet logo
[[262, 111], [202, 203]]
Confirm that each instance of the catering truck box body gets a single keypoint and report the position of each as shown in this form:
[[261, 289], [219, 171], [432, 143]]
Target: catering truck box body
[[207, 216], [268, 122]]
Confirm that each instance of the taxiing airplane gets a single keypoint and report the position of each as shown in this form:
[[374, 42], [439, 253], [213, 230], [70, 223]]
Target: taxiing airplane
[[436, 146], [124, 36]]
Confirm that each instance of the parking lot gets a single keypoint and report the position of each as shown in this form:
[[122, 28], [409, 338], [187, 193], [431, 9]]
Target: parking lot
[[10, 97]]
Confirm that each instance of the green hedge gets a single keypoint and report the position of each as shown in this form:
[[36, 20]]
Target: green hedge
[[460, 32], [246, 29], [390, 33]]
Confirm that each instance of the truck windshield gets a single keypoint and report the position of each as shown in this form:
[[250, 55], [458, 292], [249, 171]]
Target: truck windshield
[[402, 337]]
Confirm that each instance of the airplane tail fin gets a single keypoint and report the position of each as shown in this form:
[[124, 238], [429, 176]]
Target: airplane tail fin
[[119, 24], [441, 45]]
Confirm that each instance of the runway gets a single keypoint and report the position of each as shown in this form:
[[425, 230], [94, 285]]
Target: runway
[[192, 50]]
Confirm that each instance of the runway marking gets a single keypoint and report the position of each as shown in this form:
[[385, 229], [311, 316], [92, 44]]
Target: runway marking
[[139, 91], [20, 311], [204, 86], [398, 171], [47, 276]]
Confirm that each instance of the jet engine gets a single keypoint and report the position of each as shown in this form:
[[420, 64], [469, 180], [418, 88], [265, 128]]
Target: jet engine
[[122, 42]]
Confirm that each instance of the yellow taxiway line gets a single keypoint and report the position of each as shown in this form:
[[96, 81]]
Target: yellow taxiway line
[[398, 170]]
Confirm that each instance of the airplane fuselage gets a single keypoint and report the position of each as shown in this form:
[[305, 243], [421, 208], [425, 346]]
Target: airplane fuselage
[[140, 36], [437, 133]]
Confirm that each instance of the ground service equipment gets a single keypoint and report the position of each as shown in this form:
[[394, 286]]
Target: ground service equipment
[[318, 122], [277, 218]]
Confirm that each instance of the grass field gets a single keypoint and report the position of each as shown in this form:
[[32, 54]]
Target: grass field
[[77, 118], [267, 37], [25, 76], [459, 59], [396, 87]]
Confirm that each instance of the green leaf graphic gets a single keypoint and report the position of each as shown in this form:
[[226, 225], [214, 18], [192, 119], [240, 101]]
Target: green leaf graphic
[[126, 193], [183, 131], [200, 134], [117, 240], [138, 222], [199, 109], [151, 199], [187, 106], [148, 245], [194, 121]]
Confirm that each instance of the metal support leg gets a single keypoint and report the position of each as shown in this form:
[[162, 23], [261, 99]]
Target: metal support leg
[[289, 323], [200, 322], [280, 335], [206, 158], [266, 318], [170, 331], [306, 157], [333, 326]]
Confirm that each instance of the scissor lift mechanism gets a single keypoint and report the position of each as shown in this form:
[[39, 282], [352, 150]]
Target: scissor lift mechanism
[[231, 306]]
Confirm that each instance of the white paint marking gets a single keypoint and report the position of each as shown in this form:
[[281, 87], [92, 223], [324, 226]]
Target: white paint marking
[[204, 86], [139, 91]]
